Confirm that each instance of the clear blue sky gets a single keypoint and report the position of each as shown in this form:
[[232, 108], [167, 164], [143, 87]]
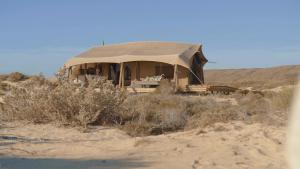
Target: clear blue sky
[[39, 36]]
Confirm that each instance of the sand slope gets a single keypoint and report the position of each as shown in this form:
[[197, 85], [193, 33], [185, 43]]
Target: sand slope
[[232, 145], [254, 77]]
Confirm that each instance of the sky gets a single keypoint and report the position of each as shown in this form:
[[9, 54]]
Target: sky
[[39, 36]]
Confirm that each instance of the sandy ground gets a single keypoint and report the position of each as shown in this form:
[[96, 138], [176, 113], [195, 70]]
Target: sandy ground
[[231, 146]]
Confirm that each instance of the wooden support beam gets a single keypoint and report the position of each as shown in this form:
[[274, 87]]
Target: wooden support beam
[[69, 72], [176, 77], [121, 75], [85, 67], [160, 71], [138, 71]]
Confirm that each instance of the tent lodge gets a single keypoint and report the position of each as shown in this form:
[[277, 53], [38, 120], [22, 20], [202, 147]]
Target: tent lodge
[[140, 66]]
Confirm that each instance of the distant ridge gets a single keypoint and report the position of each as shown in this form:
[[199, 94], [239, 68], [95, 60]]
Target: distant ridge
[[255, 77]]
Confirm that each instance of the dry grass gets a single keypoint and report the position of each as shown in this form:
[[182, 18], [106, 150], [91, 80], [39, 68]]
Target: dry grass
[[153, 114], [39, 100], [3, 77], [206, 111], [282, 99], [271, 108], [16, 77], [3, 88], [158, 113]]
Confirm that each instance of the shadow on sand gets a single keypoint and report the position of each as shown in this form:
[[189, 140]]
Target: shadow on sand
[[52, 163]]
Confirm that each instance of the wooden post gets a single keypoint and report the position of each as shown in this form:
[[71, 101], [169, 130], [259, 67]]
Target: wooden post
[[71, 70], [121, 76], [138, 71], [160, 71], [176, 77], [68, 72]]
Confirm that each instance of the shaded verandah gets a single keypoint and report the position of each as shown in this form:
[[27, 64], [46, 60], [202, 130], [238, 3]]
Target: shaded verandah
[[135, 75]]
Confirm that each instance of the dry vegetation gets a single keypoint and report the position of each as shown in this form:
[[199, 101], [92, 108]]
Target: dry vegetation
[[15, 77], [40, 101], [157, 113], [98, 102]]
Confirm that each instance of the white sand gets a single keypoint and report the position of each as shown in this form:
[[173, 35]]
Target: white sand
[[231, 146]]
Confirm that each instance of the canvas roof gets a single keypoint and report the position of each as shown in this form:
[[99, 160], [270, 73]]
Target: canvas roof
[[165, 52]]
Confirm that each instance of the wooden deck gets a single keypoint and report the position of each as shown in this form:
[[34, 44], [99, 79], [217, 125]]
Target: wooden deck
[[222, 89], [140, 90], [190, 89], [196, 88]]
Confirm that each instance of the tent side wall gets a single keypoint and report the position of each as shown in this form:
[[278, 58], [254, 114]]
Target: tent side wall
[[155, 69]]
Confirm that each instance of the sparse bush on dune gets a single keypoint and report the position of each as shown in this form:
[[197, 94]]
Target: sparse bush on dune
[[40, 101], [207, 111], [16, 76], [3, 87], [37, 81], [158, 113], [282, 100], [253, 107], [270, 108], [153, 114], [3, 77]]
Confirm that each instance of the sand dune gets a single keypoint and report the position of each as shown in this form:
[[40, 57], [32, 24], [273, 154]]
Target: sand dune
[[232, 145]]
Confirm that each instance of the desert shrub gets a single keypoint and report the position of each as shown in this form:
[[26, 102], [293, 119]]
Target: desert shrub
[[16, 76], [3, 87], [40, 101], [165, 88], [153, 113], [206, 111], [37, 81], [158, 113], [281, 100], [254, 107], [3, 77], [270, 108]]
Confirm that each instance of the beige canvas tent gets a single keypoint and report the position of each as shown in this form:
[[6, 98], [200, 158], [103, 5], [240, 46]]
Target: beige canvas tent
[[139, 65]]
